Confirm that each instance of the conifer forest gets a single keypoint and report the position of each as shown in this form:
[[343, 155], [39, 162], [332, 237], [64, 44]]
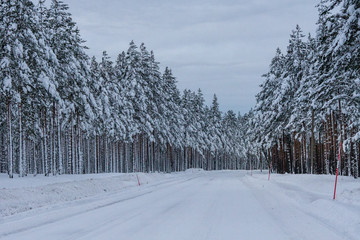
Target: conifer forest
[[64, 112]]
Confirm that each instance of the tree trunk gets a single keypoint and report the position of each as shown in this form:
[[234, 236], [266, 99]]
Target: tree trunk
[[96, 155], [61, 171], [73, 161], [80, 152], [88, 156], [356, 165], [46, 164], [312, 144], [21, 160], [34, 159], [53, 145]]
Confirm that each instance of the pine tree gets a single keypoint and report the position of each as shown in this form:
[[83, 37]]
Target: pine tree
[[214, 118], [172, 109], [27, 65]]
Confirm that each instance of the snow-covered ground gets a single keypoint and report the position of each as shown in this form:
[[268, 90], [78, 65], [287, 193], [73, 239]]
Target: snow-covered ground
[[22, 194], [190, 205]]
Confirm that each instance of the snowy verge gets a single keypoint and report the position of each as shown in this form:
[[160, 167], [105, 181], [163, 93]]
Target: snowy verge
[[23, 194], [313, 195]]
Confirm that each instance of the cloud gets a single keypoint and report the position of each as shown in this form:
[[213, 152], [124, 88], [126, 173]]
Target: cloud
[[221, 47]]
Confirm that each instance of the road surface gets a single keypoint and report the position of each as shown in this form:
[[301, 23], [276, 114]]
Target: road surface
[[205, 205]]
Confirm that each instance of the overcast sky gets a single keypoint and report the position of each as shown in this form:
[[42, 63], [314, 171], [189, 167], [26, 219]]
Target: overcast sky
[[221, 46]]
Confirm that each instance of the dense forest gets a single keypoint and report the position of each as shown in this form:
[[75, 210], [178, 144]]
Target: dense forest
[[308, 106], [65, 113], [62, 112]]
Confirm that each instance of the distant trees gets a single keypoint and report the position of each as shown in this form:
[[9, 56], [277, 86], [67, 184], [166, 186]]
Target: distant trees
[[308, 104], [64, 113]]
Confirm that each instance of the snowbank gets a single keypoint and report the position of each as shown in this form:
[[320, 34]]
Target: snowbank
[[23, 194], [313, 194]]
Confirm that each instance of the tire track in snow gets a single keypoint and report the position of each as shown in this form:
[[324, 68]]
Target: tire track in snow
[[137, 211], [163, 212]]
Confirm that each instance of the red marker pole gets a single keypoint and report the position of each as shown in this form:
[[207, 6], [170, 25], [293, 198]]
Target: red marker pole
[[138, 179], [337, 170]]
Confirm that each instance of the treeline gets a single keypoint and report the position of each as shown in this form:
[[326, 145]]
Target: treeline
[[64, 113], [309, 103]]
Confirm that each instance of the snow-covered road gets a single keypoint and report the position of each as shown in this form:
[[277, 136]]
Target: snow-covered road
[[203, 205]]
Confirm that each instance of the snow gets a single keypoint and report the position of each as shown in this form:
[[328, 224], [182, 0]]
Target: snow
[[43, 191], [45, 82], [18, 49], [4, 63], [194, 204], [7, 83]]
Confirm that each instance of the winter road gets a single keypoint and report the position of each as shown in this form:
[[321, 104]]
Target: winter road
[[206, 205]]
